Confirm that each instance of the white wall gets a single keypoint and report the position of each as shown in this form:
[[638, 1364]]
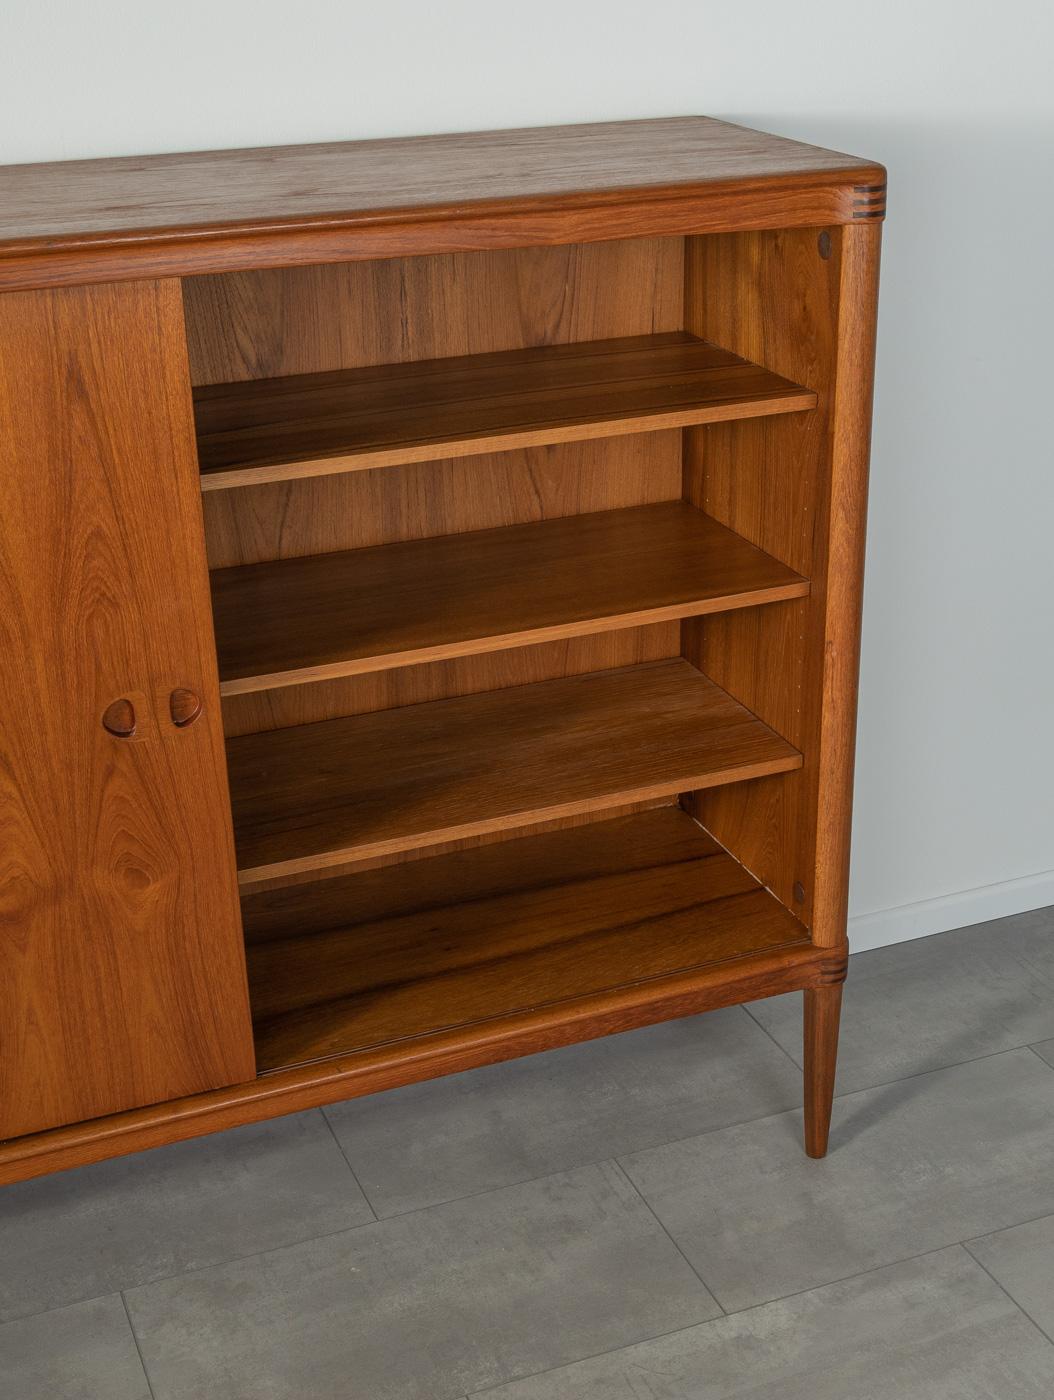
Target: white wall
[[955, 794]]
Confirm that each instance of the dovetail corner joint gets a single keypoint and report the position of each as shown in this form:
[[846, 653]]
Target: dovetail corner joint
[[833, 969], [869, 201]]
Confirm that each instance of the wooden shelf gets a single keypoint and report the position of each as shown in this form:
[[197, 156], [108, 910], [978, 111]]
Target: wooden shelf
[[620, 914], [329, 615], [347, 420], [317, 795]]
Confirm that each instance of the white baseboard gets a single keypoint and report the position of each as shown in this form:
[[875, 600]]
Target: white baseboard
[[950, 911]]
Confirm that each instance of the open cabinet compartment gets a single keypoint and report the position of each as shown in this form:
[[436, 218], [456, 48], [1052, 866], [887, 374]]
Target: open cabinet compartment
[[459, 570], [470, 605]]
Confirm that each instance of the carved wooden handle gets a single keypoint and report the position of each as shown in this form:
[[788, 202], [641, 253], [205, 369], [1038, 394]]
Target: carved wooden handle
[[184, 706], [118, 719]]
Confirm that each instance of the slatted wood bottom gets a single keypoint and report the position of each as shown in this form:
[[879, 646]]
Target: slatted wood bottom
[[617, 911]]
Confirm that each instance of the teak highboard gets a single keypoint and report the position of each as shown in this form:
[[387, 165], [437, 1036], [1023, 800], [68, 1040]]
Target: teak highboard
[[429, 588]]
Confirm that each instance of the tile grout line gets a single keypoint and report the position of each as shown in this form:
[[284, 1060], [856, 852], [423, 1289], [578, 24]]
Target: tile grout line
[[1038, 1056], [295, 1243], [232, 1258], [741, 1123], [312, 1239], [593, 1356], [578, 1166], [58, 1307], [939, 1069], [673, 1142], [765, 1031], [614, 1162], [799, 1292], [1021, 1309], [591, 1162], [898, 1079], [527, 1181], [1002, 1229], [848, 1278], [201, 1268], [139, 1349], [255, 1254], [738, 1312], [354, 1175], [838, 1098]]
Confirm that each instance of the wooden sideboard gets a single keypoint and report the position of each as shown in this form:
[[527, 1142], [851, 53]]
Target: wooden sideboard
[[430, 584]]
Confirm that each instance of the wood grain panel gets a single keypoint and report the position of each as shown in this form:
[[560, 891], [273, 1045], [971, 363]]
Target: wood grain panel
[[341, 317], [440, 680], [843, 599], [266, 324], [291, 519], [375, 959], [822, 1012], [345, 614], [363, 786], [121, 961], [466, 843], [445, 875], [612, 845], [777, 293], [784, 296]]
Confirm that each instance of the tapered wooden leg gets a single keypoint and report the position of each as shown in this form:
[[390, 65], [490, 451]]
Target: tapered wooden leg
[[823, 1006]]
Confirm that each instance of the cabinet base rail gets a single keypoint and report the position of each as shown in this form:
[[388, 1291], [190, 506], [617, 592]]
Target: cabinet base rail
[[798, 968]]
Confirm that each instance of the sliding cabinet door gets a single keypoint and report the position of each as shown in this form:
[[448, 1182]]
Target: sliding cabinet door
[[122, 978]]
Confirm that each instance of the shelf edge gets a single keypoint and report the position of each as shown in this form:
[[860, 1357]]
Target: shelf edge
[[229, 478], [614, 622], [690, 782]]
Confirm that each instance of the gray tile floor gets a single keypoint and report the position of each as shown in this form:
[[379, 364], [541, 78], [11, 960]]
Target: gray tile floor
[[628, 1220]]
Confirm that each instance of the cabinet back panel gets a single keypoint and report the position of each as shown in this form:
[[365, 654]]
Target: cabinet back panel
[[255, 325], [437, 680], [316, 515], [466, 843], [251, 325]]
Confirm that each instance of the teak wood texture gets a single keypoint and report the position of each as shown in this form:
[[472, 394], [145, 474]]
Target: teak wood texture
[[308, 425], [532, 923], [280, 206], [365, 610], [271, 324], [757, 957], [245, 325], [121, 974], [799, 491], [318, 794], [532, 624]]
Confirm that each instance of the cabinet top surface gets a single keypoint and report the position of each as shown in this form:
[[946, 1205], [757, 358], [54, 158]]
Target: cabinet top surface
[[135, 203], [544, 166]]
